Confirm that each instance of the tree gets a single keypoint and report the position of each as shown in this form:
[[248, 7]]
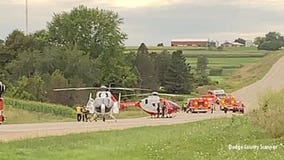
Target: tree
[[258, 40], [178, 78], [32, 88], [92, 30], [272, 41], [40, 39], [6, 57], [240, 40], [201, 76], [162, 62], [57, 80], [18, 42], [145, 69], [202, 63], [26, 64], [116, 69]]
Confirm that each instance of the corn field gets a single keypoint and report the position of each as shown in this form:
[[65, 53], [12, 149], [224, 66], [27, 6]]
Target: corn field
[[58, 110]]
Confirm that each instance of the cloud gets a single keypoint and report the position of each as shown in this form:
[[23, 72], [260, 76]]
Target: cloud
[[140, 3], [155, 21]]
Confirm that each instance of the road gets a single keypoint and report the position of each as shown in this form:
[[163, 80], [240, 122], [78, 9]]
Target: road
[[273, 80], [22, 131], [249, 95]]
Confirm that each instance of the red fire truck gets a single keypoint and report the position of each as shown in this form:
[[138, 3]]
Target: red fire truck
[[195, 105], [230, 103]]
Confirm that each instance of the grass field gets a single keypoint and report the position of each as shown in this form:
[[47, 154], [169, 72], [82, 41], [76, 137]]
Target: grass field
[[208, 139], [131, 112]]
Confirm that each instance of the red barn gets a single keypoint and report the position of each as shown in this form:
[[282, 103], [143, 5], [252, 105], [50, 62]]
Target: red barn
[[190, 42]]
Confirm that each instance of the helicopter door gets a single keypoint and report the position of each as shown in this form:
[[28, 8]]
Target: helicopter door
[[115, 108]]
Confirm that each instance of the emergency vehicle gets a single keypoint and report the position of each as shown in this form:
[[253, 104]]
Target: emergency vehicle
[[196, 105], [2, 90]]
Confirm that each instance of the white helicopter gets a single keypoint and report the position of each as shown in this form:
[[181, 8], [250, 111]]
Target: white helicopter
[[105, 104]]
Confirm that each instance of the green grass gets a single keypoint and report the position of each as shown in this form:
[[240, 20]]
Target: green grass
[[199, 140], [216, 78], [270, 113], [132, 112]]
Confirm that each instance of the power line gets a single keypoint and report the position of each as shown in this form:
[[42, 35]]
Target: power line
[[27, 24]]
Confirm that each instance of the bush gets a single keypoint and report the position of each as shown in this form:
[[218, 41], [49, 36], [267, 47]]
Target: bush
[[215, 71], [220, 48], [270, 45], [270, 113]]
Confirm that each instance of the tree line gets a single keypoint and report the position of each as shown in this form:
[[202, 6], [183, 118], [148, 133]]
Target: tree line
[[85, 47]]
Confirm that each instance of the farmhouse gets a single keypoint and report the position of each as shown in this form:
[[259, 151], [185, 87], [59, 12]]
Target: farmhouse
[[190, 42]]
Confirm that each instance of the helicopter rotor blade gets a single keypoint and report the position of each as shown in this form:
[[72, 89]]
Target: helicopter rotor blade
[[76, 89], [97, 88], [148, 94], [137, 95], [129, 89], [171, 95]]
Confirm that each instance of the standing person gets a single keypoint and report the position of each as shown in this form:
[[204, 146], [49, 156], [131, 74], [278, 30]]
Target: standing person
[[2, 89], [84, 114], [79, 112], [2, 117], [158, 109], [163, 109], [184, 107], [212, 107]]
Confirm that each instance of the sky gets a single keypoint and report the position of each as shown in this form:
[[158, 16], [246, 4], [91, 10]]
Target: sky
[[159, 21]]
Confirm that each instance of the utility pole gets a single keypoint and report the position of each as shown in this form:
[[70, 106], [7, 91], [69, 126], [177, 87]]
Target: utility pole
[[27, 25]]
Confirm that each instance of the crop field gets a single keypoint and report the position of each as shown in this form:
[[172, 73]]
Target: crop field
[[228, 65], [20, 116], [208, 139], [228, 52], [225, 63], [53, 109]]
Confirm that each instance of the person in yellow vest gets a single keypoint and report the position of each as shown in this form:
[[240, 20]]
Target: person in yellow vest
[[85, 114], [78, 109]]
